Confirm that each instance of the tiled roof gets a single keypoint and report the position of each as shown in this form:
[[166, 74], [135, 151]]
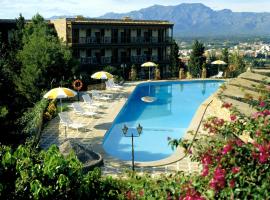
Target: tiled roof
[[118, 21]]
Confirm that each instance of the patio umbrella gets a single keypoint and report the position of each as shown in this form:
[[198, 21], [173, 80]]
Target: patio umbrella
[[218, 62], [60, 93], [102, 75], [149, 64]]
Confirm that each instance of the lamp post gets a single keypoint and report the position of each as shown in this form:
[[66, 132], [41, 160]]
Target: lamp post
[[125, 132]]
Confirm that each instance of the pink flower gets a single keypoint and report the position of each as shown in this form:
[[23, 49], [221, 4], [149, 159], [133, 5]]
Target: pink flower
[[226, 105], [206, 160], [235, 170], [226, 149], [232, 183], [258, 133], [239, 142], [256, 115], [262, 104], [266, 112], [205, 171], [218, 180], [233, 117]]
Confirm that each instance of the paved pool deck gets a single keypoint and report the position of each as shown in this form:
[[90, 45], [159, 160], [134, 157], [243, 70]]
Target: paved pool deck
[[92, 136]]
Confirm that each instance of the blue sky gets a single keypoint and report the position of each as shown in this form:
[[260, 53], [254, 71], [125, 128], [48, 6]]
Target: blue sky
[[94, 8]]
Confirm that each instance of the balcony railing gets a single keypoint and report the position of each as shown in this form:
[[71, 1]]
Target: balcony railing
[[106, 60], [121, 40], [127, 59], [89, 60]]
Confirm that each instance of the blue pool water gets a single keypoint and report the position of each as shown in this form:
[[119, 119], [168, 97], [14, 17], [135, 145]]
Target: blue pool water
[[168, 116]]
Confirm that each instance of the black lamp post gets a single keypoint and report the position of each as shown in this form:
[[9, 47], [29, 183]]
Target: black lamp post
[[139, 131]]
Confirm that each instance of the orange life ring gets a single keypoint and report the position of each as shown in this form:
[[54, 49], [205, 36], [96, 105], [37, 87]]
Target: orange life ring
[[77, 84]]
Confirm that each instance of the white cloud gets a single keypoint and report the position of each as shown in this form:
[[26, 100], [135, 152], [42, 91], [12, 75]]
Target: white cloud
[[94, 8]]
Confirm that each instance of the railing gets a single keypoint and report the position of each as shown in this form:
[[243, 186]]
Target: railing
[[106, 60], [118, 60], [89, 60], [120, 40]]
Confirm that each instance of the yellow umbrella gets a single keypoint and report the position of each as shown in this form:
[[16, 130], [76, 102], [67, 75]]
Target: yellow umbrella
[[60, 93], [219, 62], [102, 75], [149, 64]]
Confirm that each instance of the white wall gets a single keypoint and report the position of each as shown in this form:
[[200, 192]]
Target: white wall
[[155, 33], [133, 33], [108, 52], [82, 33], [82, 53], [154, 52], [133, 52], [107, 33], [119, 32]]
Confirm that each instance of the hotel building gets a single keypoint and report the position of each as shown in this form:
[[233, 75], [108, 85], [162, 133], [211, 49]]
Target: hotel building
[[117, 42]]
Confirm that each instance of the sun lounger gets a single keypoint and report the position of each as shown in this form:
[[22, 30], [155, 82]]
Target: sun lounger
[[110, 87], [89, 101], [113, 84], [66, 121], [100, 96], [80, 110], [219, 75]]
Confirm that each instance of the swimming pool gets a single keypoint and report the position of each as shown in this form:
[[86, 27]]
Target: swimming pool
[[168, 116]]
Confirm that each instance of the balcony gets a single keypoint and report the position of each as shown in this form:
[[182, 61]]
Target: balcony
[[105, 60], [89, 60], [120, 40]]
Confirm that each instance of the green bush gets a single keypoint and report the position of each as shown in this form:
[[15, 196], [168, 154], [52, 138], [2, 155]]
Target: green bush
[[27, 173], [31, 119]]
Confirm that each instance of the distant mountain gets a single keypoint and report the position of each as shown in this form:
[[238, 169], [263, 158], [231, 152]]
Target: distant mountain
[[197, 19]]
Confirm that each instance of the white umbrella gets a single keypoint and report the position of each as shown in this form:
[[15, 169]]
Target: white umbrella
[[218, 62], [102, 75], [149, 64], [60, 93]]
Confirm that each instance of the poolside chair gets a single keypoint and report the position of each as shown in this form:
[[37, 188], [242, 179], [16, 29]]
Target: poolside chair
[[110, 87], [101, 96], [80, 110], [89, 101], [113, 84], [69, 123], [219, 75]]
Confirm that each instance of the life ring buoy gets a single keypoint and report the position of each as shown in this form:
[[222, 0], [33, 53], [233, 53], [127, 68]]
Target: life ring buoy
[[77, 84]]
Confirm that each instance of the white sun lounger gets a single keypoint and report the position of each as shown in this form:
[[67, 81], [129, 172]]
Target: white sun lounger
[[113, 84], [110, 87], [100, 96], [69, 123], [219, 75], [80, 110], [89, 101]]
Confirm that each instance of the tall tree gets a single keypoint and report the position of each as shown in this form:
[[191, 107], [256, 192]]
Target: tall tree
[[225, 55], [175, 59], [11, 102], [44, 57], [197, 59], [237, 64]]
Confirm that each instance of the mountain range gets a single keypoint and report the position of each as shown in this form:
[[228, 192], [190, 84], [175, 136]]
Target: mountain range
[[196, 19]]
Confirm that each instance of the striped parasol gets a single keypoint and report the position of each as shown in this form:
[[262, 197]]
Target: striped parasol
[[60, 93], [102, 75], [149, 64]]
